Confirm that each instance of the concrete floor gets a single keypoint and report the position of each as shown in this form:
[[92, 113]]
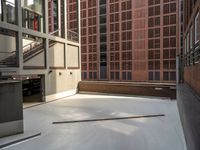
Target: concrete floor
[[161, 133]]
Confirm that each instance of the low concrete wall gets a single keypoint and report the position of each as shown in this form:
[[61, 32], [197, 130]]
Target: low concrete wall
[[133, 88], [189, 109], [11, 112]]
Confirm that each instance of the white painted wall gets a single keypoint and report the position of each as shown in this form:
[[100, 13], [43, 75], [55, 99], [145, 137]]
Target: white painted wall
[[62, 80], [56, 55], [72, 56]]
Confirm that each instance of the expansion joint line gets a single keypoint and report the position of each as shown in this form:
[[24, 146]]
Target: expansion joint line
[[108, 119]]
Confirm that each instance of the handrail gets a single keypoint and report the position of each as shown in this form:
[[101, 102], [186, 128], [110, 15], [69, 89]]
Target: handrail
[[72, 31], [51, 33], [9, 52], [28, 44], [72, 35]]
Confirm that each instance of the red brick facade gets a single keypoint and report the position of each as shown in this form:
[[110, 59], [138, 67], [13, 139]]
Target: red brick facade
[[129, 40], [192, 43]]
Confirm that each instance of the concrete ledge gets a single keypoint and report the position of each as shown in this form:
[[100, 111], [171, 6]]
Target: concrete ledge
[[11, 111], [14, 127], [60, 95], [6, 142], [189, 109], [131, 88]]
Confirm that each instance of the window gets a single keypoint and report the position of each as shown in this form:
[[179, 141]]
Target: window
[[103, 29], [197, 34], [90, 75], [53, 16], [123, 75], [185, 45], [191, 37], [172, 7], [166, 42], [103, 19], [166, 31], [103, 38], [166, 8], [126, 76], [173, 31], [112, 75], [157, 75], [166, 20], [103, 10], [188, 42], [166, 76], [129, 75], [103, 70], [166, 54], [173, 19], [172, 76], [8, 11], [103, 48], [117, 75], [33, 47], [102, 2], [84, 75], [8, 48], [95, 75], [33, 14], [150, 75]]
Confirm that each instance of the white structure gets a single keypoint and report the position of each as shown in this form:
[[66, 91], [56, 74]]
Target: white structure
[[29, 49]]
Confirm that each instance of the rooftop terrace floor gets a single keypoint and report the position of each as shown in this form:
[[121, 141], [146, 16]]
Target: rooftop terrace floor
[[158, 133]]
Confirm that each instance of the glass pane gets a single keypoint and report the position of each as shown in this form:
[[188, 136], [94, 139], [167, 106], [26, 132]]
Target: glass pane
[[33, 51], [103, 70], [8, 48], [33, 14], [8, 11], [72, 21], [56, 26]]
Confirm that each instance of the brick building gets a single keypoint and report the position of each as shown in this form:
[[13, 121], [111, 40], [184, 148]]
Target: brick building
[[191, 43], [129, 40]]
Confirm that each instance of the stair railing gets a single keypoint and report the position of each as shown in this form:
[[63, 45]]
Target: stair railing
[[72, 36], [10, 59], [56, 32], [27, 49]]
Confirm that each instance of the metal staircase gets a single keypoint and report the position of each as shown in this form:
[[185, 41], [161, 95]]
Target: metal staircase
[[29, 51]]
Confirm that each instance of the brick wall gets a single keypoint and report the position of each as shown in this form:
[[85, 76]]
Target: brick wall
[[192, 77], [130, 88]]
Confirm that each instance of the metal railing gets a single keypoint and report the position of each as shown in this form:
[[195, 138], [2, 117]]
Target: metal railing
[[192, 57], [197, 55], [9, 58], [56, 32], [72, 36], [32, 49]]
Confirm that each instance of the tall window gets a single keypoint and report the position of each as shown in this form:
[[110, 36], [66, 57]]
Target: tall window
[[188, 42], [8, 48], [197, 34], [191, 37], [185, 45], [53, 15], [56, 17], [8, 11], [33, 14]]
